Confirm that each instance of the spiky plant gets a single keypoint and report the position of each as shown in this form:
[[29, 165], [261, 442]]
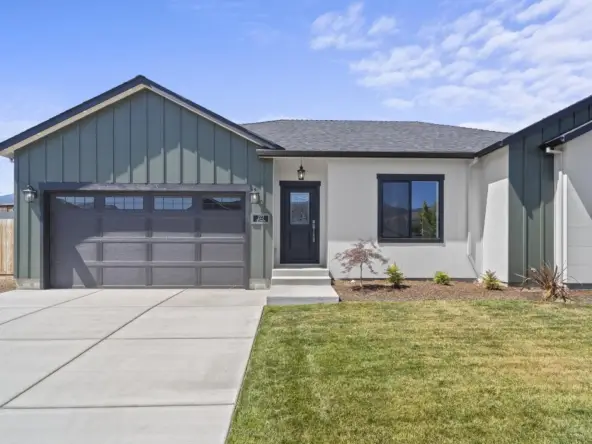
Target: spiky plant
[[550, 280], [491, 281]]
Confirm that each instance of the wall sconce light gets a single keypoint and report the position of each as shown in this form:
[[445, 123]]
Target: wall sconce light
[[30, 194], [301, 172], [254, 197]]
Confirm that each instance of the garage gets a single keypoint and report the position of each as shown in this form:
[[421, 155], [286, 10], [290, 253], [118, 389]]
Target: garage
[[147, 239]]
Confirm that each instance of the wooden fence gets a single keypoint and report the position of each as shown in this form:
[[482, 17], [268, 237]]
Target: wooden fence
[[6, 247]]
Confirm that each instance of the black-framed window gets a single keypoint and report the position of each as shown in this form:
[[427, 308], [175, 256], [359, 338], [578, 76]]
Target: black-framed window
[[410, 208], [124, 203], [222, 203], [84, 202], [170, 203]]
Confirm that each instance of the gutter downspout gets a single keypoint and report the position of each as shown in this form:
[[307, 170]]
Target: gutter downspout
[[468, 217]]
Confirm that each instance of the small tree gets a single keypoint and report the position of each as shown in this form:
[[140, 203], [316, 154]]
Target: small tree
[[362, 253]]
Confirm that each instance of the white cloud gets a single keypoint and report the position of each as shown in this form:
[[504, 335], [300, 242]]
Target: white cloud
[[383, 25], [397, 103], [484, 77], [539, 8], [453, 41], [348, 31], [341, 30], [507, 63]]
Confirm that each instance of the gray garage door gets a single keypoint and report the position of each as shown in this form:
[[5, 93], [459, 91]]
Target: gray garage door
[[147, 240]]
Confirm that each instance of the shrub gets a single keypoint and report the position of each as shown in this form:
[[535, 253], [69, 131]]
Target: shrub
[[442, 278], [362, 253], [491, 281], [395, 276], [549, 280]]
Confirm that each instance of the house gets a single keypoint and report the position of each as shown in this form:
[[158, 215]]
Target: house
[[6, 208], [140, 186]]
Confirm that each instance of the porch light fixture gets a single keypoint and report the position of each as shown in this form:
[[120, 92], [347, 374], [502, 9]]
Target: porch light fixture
[[301, 171], [30, 194], [254, 196]]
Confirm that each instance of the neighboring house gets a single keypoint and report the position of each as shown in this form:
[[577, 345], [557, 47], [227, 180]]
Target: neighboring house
[[142, 187], [6, 208]]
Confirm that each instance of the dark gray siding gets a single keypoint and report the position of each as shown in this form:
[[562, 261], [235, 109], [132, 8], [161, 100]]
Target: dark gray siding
[[144, 139], [531, 172]]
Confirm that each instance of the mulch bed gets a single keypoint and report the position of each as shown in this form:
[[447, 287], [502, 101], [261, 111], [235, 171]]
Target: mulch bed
[[427, 290], [7, 283]]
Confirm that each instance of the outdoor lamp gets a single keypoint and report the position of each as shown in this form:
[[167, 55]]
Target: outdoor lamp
[[30, 194], [301, 172], [254, 196]]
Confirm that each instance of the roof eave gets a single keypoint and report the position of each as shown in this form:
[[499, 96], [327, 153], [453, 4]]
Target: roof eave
[[368, 154]]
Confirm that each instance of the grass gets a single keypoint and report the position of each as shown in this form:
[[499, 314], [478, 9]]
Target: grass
[[423, 372]]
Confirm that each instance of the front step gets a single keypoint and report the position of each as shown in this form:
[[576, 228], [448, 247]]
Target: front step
[[301, 280], [301, 285], [302, 295], [300, 272]]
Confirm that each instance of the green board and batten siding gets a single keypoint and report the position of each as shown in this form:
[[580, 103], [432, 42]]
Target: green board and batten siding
[[531, 175], [143, 139]]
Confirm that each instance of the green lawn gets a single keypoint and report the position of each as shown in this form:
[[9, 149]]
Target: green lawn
[[434, 372]]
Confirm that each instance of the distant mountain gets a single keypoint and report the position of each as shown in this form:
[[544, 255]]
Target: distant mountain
[[7, 199]]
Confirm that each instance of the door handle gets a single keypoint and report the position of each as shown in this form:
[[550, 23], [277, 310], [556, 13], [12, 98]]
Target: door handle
[[314, 230]]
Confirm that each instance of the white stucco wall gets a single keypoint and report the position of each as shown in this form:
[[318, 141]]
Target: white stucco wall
[[285, 169], [352, 211], [577, 208], [489, 213]]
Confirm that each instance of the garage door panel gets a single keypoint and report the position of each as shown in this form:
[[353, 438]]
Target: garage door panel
[[124, 251], [220, 252], [174, 276], [170, 227], [222, 276], [64, 275], [124, 226], [182, 252], [84, 252], [124, 276], [143, 239], [223, 225], [74, 228]]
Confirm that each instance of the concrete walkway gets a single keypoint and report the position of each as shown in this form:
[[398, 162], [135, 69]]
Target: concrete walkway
[[122, 366]]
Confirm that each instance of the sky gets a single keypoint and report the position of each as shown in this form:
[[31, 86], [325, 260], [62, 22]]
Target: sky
[[491, 64]]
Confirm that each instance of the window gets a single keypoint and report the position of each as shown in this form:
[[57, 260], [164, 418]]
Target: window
[[78, 201], [410, 208], [222, 203], [180, 203], [124, 203], [299, 208]]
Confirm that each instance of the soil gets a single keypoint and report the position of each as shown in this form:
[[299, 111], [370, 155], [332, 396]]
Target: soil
[[427, 290], [7, 283]]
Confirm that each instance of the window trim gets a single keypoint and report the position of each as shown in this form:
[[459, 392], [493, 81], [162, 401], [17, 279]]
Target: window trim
[[382, 178]]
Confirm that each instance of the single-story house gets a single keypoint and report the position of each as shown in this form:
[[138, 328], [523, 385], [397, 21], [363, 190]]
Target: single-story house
[[140, 186]]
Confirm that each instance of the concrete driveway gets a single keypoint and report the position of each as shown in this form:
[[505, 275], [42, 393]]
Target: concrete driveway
[[123, 366]]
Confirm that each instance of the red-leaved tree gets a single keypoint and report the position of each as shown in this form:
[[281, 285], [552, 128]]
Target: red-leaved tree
[[362, 253]]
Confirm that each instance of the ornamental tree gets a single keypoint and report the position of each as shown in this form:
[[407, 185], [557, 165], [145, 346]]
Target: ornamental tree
[[363, 253]]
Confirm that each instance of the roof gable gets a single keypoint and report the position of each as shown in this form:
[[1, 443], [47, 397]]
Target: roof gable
[[115, 95]]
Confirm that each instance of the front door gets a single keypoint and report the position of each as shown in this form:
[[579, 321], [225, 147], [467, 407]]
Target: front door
[[299, 222]]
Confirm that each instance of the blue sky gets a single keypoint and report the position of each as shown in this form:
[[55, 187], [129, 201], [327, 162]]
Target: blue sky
[[496, 64]]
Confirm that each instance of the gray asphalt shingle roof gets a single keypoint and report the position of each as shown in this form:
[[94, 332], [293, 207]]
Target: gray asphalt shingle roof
[[374, 136]]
